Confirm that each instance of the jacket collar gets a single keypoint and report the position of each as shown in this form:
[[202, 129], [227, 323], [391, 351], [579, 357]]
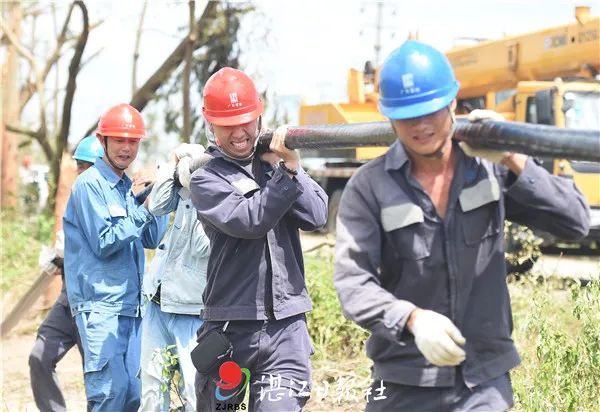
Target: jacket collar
[[217, 153], [396, 157], [110, 175]]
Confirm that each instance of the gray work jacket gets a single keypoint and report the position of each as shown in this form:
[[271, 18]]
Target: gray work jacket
[[179, 265], [255, 269], [394, 252]]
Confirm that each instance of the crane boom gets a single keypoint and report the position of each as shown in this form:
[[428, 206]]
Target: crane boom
[[543, 55]]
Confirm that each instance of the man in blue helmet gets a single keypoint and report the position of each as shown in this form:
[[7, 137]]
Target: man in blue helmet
[[57, 333], [420, 251]]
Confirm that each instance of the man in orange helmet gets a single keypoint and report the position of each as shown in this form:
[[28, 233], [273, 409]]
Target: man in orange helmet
[[251, 208], [106, 230]]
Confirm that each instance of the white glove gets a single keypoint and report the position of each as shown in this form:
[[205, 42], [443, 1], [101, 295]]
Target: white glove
[[437, 338], [186, 149], [200, 161], [494, 156], [183, 171], [478, 115], [47, 255]]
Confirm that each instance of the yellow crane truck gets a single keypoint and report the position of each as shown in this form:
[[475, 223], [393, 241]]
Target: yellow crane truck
[[544, 77]]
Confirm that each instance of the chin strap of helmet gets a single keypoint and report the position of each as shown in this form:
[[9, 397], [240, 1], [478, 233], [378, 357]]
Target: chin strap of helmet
[[113, 164], [439, 153]]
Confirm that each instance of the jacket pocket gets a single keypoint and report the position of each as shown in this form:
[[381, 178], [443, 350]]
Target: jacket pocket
[[480, 217], [99, 383], [403, 224]]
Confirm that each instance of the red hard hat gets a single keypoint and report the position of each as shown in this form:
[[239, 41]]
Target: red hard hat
[[122, 120], [230, 98]]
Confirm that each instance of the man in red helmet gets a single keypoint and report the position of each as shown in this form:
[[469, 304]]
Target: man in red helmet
[[106, 230], [420, 249], [251, 208]]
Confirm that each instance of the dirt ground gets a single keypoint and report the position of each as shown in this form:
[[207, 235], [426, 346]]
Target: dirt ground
[[16, 390]]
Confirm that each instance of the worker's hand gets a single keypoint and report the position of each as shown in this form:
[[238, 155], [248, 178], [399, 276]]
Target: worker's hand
[[142, 179], [271, 158], [188, 150], [479, 115], [199, 161], [437, 338], [46, 261], [183, 171], [494, 156], [277, 146]]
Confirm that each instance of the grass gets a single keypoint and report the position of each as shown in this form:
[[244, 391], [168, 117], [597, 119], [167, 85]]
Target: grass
[[22, 238], [557, 333]]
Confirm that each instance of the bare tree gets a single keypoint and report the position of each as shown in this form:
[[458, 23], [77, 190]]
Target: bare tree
[[217, 47], [136, 50], [147, 91], [53, 144], [187, 71]]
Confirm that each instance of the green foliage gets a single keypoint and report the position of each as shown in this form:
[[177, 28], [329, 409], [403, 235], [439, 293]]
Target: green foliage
[[171, 377], [557, 334], [522, 244], [559, 339], [219, 50], [332, 334], [22, 239]]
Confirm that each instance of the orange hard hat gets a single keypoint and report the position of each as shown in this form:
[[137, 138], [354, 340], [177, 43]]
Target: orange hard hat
[[230, 98], [121, 120]]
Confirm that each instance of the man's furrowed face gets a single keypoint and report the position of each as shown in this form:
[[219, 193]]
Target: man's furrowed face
[[237, 141]]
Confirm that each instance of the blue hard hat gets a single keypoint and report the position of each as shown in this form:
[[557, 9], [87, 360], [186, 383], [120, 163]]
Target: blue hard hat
[[88, 149], [415, 80]]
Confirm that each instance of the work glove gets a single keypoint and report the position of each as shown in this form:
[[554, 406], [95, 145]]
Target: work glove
[[183, 171], [189, 150], [199, 161], [188, 165], [46, 261], [494, 156], [437, 338]]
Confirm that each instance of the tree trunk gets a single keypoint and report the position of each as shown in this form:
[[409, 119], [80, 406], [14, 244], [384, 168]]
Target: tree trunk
[[187, 70], [136, 49], [65, 124], [68, 174], [10, 113]]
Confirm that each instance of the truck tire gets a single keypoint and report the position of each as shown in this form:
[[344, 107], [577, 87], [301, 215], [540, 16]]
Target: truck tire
[[332, 210]]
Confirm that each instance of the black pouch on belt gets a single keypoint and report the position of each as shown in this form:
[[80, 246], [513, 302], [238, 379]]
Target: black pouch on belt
[[212, 351]]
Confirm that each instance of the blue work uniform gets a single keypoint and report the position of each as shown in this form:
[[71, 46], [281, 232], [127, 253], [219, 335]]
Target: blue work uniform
[[395, 253], [252, 214], [106, 230]]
